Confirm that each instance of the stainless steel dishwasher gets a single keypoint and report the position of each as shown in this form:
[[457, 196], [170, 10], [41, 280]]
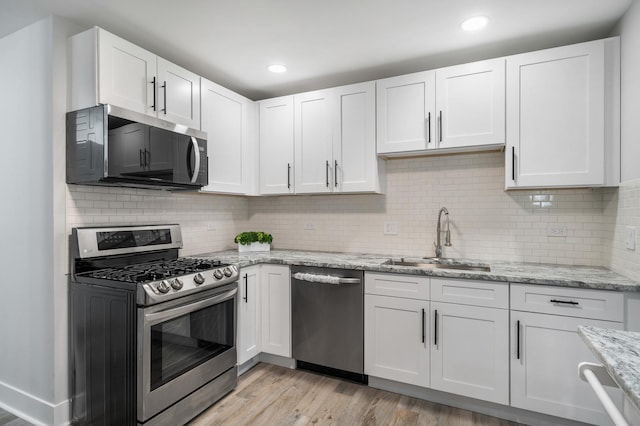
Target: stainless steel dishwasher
[[328, 320]]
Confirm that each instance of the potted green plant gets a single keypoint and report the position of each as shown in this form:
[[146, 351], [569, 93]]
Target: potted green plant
[[251, 241]]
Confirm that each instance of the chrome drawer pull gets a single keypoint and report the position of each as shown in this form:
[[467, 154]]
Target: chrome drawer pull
[[565, 302]]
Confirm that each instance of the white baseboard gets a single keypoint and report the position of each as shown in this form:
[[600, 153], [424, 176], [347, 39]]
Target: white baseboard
[[33, 409], [278, 360]]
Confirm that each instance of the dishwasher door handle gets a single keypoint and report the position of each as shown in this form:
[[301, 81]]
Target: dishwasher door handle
[[325, 279]]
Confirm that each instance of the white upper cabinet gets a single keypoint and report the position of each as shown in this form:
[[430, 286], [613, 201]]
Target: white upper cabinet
[[333, 140], [106, 69], [126, 73], [563, 116], [276, 146], [313, 143], [460, 107], [406, 112], [228, 120], [470, 103], [179, 94], [356, 167]]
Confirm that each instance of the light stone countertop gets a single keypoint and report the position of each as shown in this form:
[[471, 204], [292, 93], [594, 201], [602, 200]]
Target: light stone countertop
[[619, 353], [514, 272]]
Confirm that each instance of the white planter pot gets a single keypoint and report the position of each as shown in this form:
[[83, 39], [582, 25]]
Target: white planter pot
[[254, 247]]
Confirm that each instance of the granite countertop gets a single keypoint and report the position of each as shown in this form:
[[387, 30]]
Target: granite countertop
[[619, 353], [528, 273]]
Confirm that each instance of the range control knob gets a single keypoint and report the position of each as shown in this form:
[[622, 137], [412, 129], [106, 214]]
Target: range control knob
[[227, 272], [176, 284], [217, 274], [198, 278], [163, 287]]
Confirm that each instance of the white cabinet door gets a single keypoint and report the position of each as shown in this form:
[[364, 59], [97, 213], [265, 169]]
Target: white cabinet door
[[178, 94], [126, 74], [396, 339], [556, 117], [248, 339], [470, 351], [276, 309], [313, 145], [470, 103], [276, 146], [356, 167], [405, 112], [225, 119], [545, 354]]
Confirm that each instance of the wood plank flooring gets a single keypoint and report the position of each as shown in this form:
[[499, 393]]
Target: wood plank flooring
[[272, 395], [8, 419]]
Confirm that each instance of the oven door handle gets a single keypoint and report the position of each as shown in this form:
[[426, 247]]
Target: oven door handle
[[155, 317]]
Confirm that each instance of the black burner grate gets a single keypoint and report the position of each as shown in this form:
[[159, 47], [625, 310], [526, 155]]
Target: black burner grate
[[152, 271]]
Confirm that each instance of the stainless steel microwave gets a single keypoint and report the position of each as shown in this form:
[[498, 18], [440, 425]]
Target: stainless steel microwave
[[107, 145]]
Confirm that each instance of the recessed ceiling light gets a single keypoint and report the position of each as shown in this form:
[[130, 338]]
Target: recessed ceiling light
[[277, 68], [474, 23]]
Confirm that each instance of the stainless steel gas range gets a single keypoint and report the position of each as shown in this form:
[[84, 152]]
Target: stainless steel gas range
[[152, 335]]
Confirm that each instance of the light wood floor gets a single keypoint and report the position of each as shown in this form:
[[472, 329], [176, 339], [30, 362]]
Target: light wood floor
[[272, 395]]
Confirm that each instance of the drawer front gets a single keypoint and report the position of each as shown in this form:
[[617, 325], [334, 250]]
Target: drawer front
[[469, 292], [573, 302], [397, 285]]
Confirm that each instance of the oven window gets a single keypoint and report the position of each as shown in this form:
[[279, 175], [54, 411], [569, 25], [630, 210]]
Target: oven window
[[182, 343]]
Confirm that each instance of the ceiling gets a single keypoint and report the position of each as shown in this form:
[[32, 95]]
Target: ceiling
[[325, 43]]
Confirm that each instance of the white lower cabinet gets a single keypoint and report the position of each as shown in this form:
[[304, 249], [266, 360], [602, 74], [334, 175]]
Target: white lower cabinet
[[470, 351], [396, 339], [546, 349], [275, 301], [544, 367], [248, 337]]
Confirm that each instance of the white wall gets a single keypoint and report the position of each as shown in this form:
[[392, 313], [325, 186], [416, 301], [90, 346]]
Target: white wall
[[629, 31], [487, 222], [33, 359]]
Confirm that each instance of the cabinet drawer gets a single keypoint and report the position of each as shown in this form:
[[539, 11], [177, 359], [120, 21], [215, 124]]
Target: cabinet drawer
[[397, 285], [470, 292], [573, 302]]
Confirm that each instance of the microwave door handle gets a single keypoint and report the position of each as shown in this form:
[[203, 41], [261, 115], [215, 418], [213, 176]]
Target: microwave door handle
[[156, 317], [196, 169]]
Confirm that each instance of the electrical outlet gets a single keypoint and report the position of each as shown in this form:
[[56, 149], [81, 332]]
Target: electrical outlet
[[630, 237], [211, 226], [557, 231], [310, 226], [390, 228]]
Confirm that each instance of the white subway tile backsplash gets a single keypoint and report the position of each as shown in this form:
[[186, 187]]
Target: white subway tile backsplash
[[487, 222], [196, 213]]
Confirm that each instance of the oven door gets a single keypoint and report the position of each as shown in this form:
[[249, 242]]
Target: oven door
[[182, 345]]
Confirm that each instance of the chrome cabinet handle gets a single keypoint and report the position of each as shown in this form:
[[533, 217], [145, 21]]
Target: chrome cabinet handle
[[140, 158], [335, 173], [326, 173], [289, 175], [153, 82], [440, 127], [518, 339], [164, 87], [429, 128], [246, 290], [435, 329], [513, 163], [147, 158], [423, 327]]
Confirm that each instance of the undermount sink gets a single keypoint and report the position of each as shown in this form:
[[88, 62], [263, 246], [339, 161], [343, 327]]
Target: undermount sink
[[439, 264]]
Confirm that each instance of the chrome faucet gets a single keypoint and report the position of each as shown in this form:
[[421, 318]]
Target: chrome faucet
[[447, 236]]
